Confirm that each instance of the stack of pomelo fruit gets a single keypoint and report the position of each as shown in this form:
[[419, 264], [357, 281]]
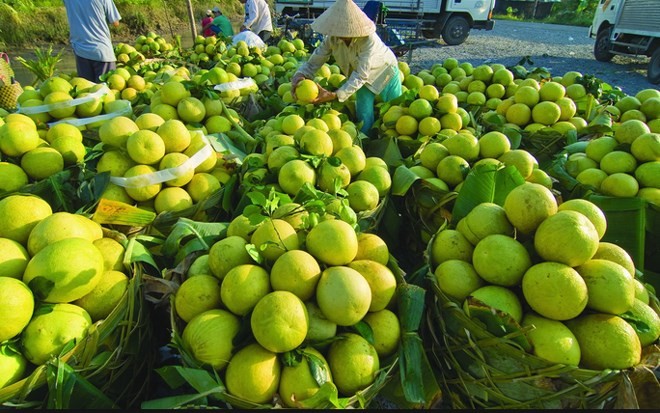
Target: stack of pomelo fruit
[[536, 273], [302, 293], [61, 281]]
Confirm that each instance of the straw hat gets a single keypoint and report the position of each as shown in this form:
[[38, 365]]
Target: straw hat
[[344, 19], [209, 12]]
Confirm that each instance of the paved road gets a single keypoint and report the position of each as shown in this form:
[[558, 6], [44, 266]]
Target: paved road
[[559, 48]]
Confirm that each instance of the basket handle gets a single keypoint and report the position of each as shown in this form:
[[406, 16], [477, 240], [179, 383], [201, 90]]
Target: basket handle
[[4, 56]]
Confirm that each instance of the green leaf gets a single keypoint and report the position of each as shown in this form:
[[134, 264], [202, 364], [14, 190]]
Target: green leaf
[[485, 183], [63, 381], [139, 253], [402, 180]]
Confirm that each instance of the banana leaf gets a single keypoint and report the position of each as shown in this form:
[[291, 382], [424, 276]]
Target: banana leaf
[[188, 236], [485, 183], [386, 149]]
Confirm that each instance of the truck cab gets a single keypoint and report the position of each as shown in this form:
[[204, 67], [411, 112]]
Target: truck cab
[[450, 19], [628, 27]]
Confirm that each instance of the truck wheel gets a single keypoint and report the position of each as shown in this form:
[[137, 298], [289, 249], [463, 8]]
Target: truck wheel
[[455, 31], [602, 46], [654, 67]]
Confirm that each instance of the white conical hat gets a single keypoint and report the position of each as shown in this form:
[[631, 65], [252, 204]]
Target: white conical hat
[[344, 19]]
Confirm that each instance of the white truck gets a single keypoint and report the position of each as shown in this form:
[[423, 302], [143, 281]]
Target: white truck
[[628, 27], [450, 19]]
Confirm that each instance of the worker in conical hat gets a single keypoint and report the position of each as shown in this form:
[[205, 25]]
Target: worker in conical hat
[[371, 68]]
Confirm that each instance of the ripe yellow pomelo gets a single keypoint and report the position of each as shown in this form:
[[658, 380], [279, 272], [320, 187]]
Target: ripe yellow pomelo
[[457, 279], [379, 177], [253, 374], [197, 295], [630, 130], [17, 138], [648, 174], [113, 253], [115, 131], [176, 137], [145, 192], [63, 129], [172, 199], [293, 213], [301, 381], [106, 296], [296, 271], [372, 247], [527, 205], [116, 162], [279, 321], [432, 154], [227, 254], [464, 145], [202, 185], [174, 160], [499, 298], [606, 341], [343, 295], [386, 330], [332, 177], [42, 162], [19, 214], [307, 91], [16, 307], [354, 363], [61, 225], [620, 185], [13, 258], [354, 159], [484, 219], [145, 147], [12, 365], [51, 328], [645, 321], [552, 340], [60, 98], [588, 209], [332, 242], [618, 161], [381, 282], [452, 169], [191, 110], [555, 290], [72, 151], [243, 286], [501, 260], [64, 270], [209, 337], [597, 148], [294, 174], [521, 159], [274, 237], [567, 237], [546, 113], [493, 144], [172, 92], [320, 328], [518, 114], [450, 244], [12, 177], [611, 287], [646, 147], [613, 252], [592, 177]]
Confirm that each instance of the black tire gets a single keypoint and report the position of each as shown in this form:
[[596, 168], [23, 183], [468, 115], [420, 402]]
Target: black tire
[[455, 31], [602, 46], [654, 67]]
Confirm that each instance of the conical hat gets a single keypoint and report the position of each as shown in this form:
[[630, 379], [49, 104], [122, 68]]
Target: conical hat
[[344, 19]]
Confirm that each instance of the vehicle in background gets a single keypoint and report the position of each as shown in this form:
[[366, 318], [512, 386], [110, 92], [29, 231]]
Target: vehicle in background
[[630, 28], [450, 19]]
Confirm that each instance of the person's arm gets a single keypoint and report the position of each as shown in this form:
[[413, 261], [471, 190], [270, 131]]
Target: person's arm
[[250, 15], [320, 55], [112, 14]]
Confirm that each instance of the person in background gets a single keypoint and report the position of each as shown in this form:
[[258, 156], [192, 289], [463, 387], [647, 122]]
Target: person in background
[[90, 38], [257, 18], [221, 24], [206, 24], [370, 66]]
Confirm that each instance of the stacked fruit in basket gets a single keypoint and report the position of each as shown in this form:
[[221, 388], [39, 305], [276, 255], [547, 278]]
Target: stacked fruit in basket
[[543, 266], [308, 296]]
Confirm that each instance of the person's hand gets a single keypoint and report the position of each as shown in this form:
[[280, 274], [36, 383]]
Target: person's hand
[[324, 96], [297, 78]]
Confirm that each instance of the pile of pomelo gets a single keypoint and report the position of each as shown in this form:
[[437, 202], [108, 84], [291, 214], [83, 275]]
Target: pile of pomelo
[[305, 292], [543, 264], [58, 276], [626, 161]]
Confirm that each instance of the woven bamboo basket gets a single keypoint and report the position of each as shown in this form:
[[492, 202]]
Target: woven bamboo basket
[[109, 368], [9, 95]]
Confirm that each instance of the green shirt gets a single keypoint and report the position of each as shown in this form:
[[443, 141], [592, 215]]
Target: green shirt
[[224, 25]]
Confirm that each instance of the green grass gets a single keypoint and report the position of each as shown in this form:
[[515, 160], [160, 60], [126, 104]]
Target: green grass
[[569, 19]]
